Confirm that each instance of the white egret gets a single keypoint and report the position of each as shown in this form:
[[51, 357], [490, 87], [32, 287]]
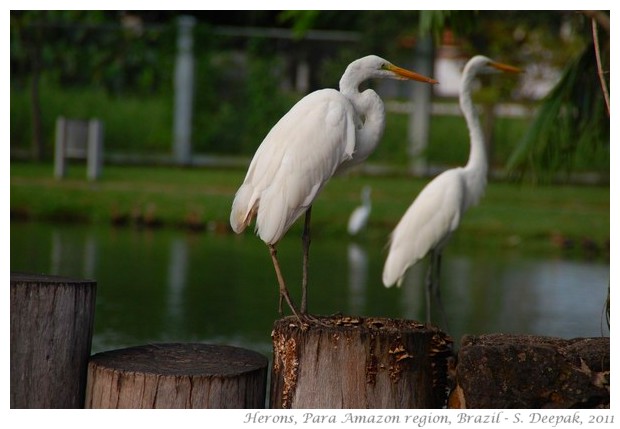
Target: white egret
[[428, 223], [326, 131], [359, 216]]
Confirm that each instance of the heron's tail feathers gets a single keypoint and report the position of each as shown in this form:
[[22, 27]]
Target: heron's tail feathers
[[396, 265], [391, 276], [243, 209], [273, 217]]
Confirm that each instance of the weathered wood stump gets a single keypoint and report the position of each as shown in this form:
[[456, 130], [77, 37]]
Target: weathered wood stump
[[352, 362], [523, 371], [51, 335], [177, 376]]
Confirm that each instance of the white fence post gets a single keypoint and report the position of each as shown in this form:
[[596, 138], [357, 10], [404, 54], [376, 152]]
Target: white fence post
[[95, 149], [183, 92], [419, 120], [78, 139], [60, 168]]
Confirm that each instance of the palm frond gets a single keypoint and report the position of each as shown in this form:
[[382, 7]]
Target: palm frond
[[571, 125]]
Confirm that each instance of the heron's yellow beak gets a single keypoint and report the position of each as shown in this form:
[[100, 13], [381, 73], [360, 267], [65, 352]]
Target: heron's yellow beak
[[505, 67], [407, 74]]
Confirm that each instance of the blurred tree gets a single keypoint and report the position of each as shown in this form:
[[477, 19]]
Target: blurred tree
[[572, 123], [112, 50], [133, 53], [574, 117], [572, 120]]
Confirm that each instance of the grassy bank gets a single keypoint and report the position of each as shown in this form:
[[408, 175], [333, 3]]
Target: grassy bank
[[535, 218]]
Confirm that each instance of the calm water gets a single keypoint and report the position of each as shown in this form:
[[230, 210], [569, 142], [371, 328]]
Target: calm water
[[163, 285]]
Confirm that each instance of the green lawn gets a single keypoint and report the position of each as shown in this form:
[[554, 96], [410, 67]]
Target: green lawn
[[536, 218]]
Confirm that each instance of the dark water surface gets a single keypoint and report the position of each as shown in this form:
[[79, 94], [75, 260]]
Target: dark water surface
[[170, 286]]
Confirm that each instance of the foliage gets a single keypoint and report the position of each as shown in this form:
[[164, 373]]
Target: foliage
[[237, 99], [112, 54], [134, 124], [243, 85], [436, 21], [571, 128], [572, 121], [143, 124], [303, 20]]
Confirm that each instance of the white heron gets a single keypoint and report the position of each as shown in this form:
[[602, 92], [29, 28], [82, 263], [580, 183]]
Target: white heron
[[359, 216], [326, 131], [428, 223]]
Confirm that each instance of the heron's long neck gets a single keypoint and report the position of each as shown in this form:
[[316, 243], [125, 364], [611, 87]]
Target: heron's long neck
[[371, 113], [366, 200], [477, 165]]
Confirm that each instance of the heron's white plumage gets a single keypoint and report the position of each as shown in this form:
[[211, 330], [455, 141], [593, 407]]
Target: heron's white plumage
[[437, 210], [325, 132], [427, 224], [293, 163]]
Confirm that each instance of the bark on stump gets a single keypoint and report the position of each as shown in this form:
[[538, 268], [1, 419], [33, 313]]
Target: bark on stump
[[177, 376], [51, 335], [523, 371], [352, 362]]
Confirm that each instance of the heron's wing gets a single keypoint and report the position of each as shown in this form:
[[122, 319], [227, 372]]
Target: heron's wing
[[426, 224], [297, 157]]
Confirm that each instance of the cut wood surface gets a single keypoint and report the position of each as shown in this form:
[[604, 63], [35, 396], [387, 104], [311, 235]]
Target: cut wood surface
[[177, 375], [526, 371], [353, 362], [51, 335]]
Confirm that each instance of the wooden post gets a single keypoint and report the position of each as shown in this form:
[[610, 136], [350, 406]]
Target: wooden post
[[51, 335], [527, 371], [177, 376], [352, 362]]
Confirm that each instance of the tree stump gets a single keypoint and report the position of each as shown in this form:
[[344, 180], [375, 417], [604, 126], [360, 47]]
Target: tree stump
[[523, 371], [353, 362], [177, 376], [51, 335]]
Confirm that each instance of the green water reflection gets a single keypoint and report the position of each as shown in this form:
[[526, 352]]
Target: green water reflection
[[166, 285]]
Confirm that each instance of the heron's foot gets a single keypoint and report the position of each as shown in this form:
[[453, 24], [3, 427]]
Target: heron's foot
[[305, 320], [314, 320]]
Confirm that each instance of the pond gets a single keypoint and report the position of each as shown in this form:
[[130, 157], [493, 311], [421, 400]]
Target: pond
[[171, 286]]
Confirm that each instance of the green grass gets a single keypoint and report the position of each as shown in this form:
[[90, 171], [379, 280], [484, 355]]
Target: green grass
[[144, 125], [449, 140], [131, 124], [528, 217], [237, 125]]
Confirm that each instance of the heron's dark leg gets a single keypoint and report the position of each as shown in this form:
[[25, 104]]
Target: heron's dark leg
[[283, 290], [429, 289], [306, 248], [434, 285]]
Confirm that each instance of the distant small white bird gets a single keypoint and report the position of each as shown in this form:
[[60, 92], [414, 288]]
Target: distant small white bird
[[436, 212], [359, 216], [325, 132]]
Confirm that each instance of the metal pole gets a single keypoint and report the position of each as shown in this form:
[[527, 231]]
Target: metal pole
[[419, 119], [184, 91]]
